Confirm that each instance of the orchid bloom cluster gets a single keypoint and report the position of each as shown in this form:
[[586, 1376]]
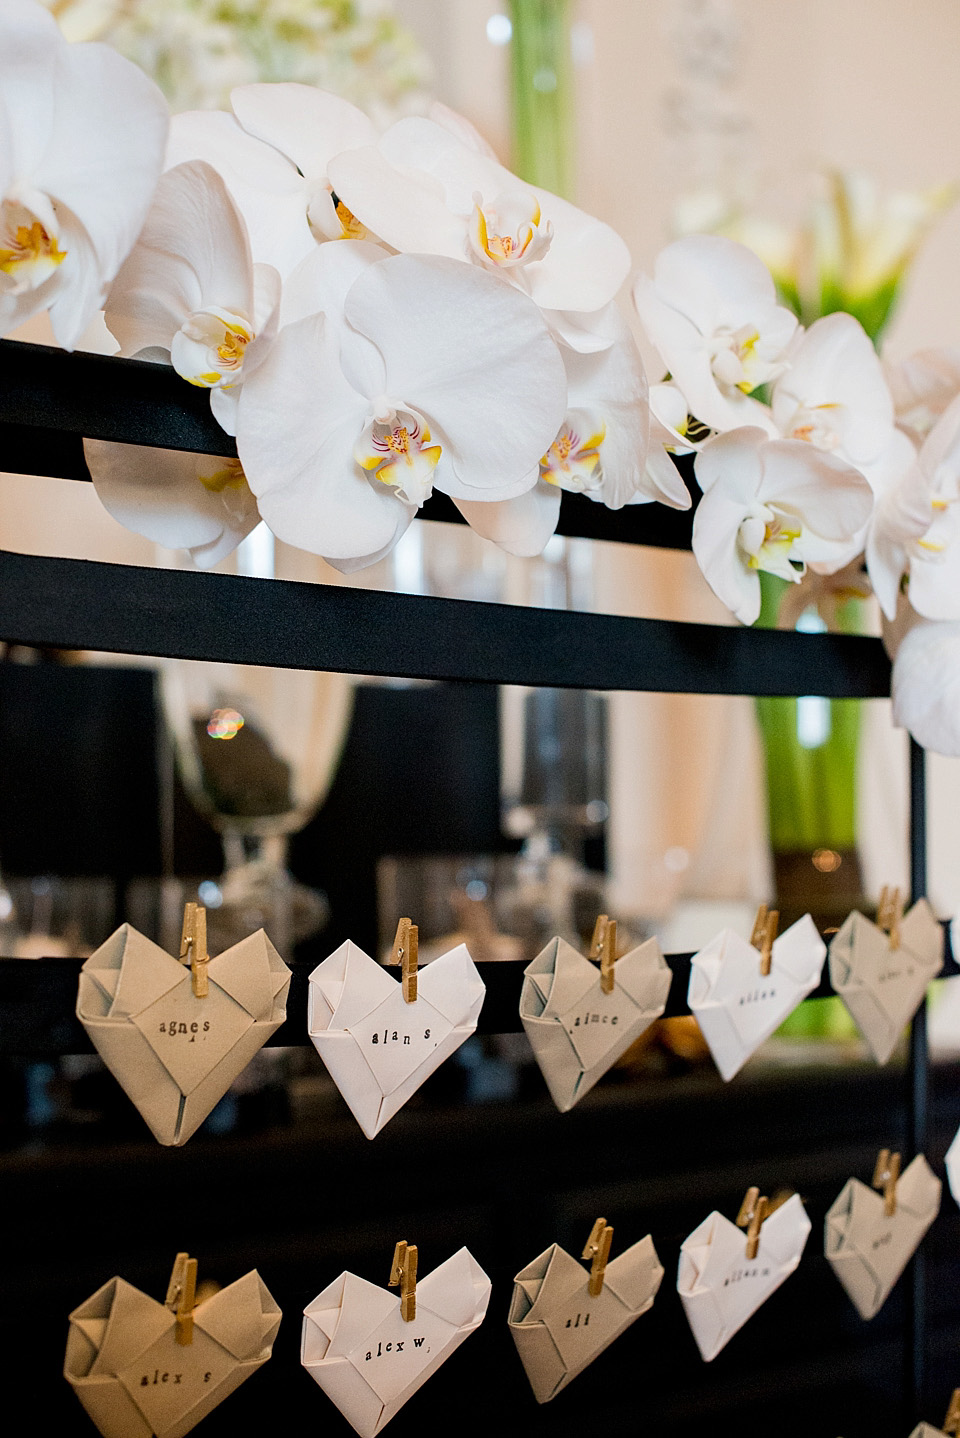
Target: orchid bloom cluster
[[380, 315]]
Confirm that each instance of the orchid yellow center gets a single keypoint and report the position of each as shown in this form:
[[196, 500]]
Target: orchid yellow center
[[209, 348], [766, 539], [396, 445], [510, 232], [229, 476], [740, 359], [814, 424], [349, 224], [29, 252], [573, 461]]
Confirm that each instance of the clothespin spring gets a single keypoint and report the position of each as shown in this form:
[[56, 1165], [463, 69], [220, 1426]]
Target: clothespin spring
[[403, 1274], [193, 947], [181, 1296], [598, 1249], [885, 1177]]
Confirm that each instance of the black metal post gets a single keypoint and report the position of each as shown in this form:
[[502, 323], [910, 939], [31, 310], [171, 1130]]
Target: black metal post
[[915, 1336]]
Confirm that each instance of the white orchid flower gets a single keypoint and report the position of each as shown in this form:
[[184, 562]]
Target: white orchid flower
[[82, 133], [775, 505], [711, 312], [922, 386], [426, 190], [273, 153], [671, 432], [917, 528], [197, 502], [190, 293], [391, 376], [926, 680]]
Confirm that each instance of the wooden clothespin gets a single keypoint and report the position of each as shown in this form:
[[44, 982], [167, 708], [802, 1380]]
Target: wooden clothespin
[[598, 1249], [885, 1177], [951, 1424], [753, 1211], [181, 1296], [890, 913], [764, 933], [405, 952], [603, 946], [193, 947], [403, 1274]]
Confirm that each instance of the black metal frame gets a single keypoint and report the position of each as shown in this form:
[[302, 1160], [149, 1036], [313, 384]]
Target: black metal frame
[[50, 400]]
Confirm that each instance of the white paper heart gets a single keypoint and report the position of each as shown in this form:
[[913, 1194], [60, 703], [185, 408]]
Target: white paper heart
[[927, 1430], [720, 1287], [134, 1379], [175, 1055], [559, 1328], [356, 1345], [952, 1164], [377, 1048], [576, 1031], [867, 1250], [736, 1006], [883, 987]]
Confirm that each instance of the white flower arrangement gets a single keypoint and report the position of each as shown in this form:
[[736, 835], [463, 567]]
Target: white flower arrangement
[[378, 313]]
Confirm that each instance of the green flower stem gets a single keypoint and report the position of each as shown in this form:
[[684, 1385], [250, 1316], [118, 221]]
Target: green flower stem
[[542, 94]]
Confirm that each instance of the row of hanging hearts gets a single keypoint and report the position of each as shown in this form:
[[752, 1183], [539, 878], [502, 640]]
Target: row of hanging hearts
[[140, 1367], [175, 1032]]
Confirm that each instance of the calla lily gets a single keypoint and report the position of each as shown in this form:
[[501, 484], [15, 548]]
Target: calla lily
[[273, 153], [424, 190], [391, 376], [190, 294], [197, 502], [82, 133], [917, 528], [926, 681], [775, 505], [921, 388], [711, 312]]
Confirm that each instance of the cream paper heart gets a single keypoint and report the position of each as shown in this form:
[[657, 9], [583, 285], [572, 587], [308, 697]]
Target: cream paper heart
[[576, 1031], [952, 1164], [883, 987], [736, 1006], [927, 1430], [367, 1359], [720, 1287], [175, 1055], [559, 1328], [377, 1048], [868, 1251], [134, 1379]]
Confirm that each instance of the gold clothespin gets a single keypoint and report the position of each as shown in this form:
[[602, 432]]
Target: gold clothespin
[[181, 1296], [951, 1424], [405, 952], [764, 933], [890, 913], [885, 1177], [603, 946], [193, 947], [403, 1273], [598, 1248]]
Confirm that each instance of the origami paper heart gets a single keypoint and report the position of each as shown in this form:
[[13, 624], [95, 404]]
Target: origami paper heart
[[175, 1055], [720, 1287], [134, 1379], [952, 1162], [559, 1328], [377, 1048], [367, 1360], [927, 1430], [868, 1250], [883, 987], [735, 1005], [576, 1031]]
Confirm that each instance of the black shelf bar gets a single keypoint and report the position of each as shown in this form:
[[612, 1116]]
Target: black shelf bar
[[917, 1100]]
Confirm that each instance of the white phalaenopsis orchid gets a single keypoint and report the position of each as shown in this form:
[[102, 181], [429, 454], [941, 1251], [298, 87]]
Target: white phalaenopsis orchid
[[925, 684], [190, 293], [711, 312], [917, 528], [391, 376], [82, 133], [921, 388], [424, 189], [273, 153], [775, 505]]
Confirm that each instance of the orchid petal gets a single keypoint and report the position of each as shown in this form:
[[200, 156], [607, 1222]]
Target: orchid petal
[[460, 127], [30, 42], [832, 498], [405, 210], [612, 385], [835, 373], [521, 526], [716, 526], [926, 684], [307, 125]]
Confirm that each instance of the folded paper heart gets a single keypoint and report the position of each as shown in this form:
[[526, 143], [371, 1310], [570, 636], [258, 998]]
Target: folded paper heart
[[737, 1006], [175, 1054], [869, 1248], [356, 1345], [882, 985], [135, 1379], [378, 1048], [952, 1163], [720, 1287], [559, 1328], [927, 1430], [577, 1032]]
